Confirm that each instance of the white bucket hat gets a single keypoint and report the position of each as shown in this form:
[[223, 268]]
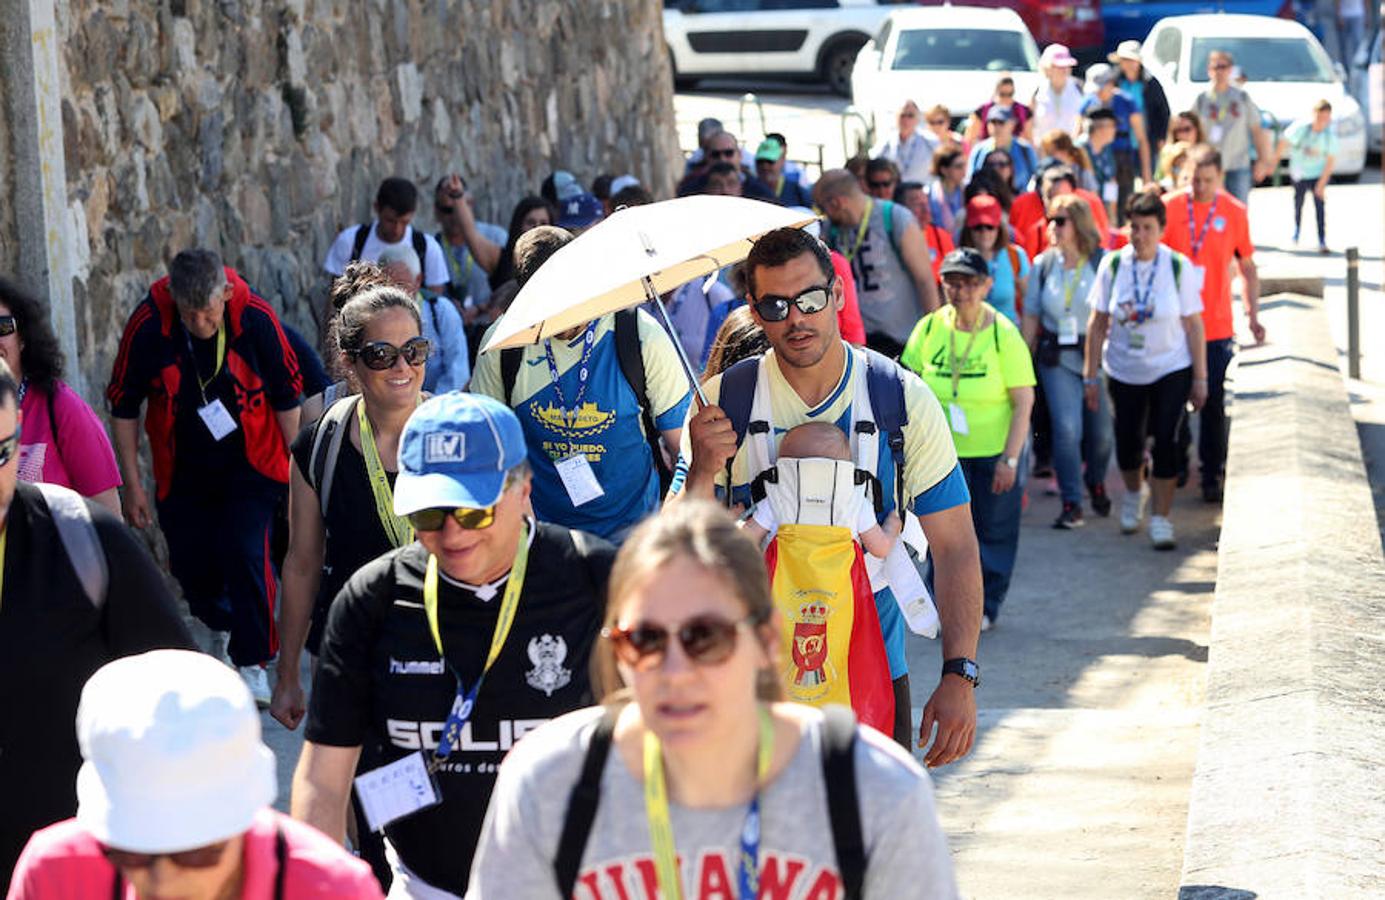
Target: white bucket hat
[[173, 756]]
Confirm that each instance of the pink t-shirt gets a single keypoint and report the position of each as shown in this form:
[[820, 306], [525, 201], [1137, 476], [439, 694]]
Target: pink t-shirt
[[63, 860], [81, 458]]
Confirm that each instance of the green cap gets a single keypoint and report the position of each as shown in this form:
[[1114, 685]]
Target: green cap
[[769, 150]]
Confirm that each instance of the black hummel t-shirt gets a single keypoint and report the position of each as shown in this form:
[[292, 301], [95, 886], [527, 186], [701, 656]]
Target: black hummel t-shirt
[[380, 681]]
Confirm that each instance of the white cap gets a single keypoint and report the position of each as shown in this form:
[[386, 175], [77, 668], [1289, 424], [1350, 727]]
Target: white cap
[[622, 182], [174, 759]]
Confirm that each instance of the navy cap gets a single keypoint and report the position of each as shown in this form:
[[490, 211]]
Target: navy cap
[[998, 113], [455, 451], [580, 211], [964, 261]]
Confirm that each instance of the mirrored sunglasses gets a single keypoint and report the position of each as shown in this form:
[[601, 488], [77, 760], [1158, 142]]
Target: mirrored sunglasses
[[434, 518], [811, 300], [381, 355]]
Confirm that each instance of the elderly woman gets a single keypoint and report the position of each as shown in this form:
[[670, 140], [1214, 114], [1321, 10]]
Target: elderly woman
[[977, 364], [1055, 328]]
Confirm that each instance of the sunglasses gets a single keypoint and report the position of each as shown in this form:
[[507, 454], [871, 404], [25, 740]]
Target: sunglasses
[[1007, 96], [707, 640], [382, 355], [8, 446], [196, 858], [467, 518], [809, 301], [936, 123], [882, 185], [982, 227], [1060, 221], [722, 154], [908, 115], [7, 326], [1000, 164], [1217, 67]]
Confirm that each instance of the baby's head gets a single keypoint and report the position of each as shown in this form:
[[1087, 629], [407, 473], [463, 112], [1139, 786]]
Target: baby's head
[[820, 440]]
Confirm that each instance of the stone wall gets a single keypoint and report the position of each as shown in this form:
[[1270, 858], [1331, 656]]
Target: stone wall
[[262, 128], [9, 251]]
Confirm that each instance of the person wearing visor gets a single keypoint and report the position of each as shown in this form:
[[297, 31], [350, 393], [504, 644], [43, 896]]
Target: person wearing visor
[[447, 651], [174, 798]]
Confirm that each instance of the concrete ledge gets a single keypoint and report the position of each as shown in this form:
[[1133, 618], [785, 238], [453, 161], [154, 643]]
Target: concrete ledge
[[1276, 283], [1288, 797]]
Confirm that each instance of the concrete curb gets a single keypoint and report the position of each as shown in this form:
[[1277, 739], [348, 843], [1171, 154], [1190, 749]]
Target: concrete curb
[[1288, 798]]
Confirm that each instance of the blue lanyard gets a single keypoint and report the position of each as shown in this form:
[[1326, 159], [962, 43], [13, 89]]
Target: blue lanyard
[[748, 869], [1144, 306], [583, 372], [1199, 237]]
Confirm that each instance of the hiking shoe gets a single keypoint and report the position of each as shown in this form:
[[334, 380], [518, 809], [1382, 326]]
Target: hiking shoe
[[1070, 517], [1101, 503], [1161, 533], [1133, 509], [257, 680]]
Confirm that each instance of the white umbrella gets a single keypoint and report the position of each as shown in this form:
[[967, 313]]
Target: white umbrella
[[634, 255]]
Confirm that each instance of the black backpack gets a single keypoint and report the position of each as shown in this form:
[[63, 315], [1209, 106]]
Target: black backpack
[[420, 246], [627, 337]]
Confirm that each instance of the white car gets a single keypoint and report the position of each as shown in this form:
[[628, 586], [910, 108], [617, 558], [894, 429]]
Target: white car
[[1286, 71], [814, 39], [952, 55]]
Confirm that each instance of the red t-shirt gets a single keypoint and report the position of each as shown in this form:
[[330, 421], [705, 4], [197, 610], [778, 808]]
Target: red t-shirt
[[849, 319], [1035, 239], [939, 245], [1223, 230]]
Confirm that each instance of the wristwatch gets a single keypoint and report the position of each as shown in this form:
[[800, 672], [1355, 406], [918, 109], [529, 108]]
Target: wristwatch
[[964, 667], [1012, 461]]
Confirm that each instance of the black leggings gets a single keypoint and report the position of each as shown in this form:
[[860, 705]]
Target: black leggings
[[1150, 410], [1305, 188]]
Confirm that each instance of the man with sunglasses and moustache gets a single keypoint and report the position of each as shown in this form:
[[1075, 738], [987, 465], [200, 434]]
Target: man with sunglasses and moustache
[[813, 376], [449, 650], [53, 635], [210, 361]]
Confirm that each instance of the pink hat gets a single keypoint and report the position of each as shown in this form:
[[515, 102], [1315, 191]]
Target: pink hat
[[1057, 55]]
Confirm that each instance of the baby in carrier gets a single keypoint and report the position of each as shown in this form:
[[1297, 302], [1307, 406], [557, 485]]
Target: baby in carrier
[[820, 511]]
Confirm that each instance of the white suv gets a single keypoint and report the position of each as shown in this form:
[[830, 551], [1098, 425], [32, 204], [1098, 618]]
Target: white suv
[[815, 39]]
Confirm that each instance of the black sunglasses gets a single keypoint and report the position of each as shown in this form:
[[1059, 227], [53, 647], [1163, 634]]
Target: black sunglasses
[[707, 640], [882, 185], [8, 446], [810, 300], [469, 518], [1059, 220], [196, 858], [7, 326], [723, 154], [381, 355], [1000, 164]]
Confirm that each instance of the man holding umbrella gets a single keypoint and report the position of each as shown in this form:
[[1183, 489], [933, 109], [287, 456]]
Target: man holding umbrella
[[811, 375]]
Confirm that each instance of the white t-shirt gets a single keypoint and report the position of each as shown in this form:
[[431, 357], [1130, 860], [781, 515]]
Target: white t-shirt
[[1062, 110], [913, 156], [1146, 340], [435, 264]]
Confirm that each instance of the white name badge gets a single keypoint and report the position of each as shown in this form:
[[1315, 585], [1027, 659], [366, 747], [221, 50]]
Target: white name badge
[[1215, 134], [1136, 344], [1110, 192], [217, 419], [579, 479], [401, 788], [959, 419], [1067, 331]]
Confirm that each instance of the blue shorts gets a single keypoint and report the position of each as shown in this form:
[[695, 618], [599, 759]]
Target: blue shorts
[[892, 626]]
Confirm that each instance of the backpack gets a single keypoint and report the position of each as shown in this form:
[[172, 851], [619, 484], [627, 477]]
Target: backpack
[[1015, 271], [331, 429], [82, 544], [838, 775], [420, 246], [1175, 259], [885, 391], [627, 338]]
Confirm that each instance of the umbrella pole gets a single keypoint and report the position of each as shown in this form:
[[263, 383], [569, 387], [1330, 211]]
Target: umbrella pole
[[653, 297]]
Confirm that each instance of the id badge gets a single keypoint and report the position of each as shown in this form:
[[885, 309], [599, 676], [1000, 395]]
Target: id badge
[[1067, 331], [400, 789], [1136, 344], [1110, 192], [959, 419], [1215, 134], [217, 419], [578, 479]]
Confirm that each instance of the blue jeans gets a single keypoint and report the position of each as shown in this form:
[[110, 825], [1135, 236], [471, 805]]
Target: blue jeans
[[996, 518], [1238, 183], [1212, 430], [1079, 434]]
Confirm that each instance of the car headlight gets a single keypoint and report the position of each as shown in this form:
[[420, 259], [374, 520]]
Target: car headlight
[[1352, 125]]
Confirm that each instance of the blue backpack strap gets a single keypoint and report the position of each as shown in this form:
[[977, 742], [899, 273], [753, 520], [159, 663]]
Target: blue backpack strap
[[886, 391], [736, 397]]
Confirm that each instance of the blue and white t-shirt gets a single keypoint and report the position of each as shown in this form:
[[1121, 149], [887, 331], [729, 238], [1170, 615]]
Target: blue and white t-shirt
[[606, 426]]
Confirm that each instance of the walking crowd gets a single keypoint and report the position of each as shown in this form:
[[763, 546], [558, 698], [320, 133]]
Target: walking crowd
[[575, 626]]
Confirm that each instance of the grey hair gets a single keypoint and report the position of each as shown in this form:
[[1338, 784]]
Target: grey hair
[[194, 276]]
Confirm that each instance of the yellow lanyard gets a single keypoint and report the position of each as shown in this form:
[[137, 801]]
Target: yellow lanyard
[[220, 358], [453, 266], [958, 361], [397, 528], [656, 804], [861, 229], [1072, 285], [509, 604]]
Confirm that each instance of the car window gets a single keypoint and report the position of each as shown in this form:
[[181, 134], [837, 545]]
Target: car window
[[721, 6], [1265, 59], [798, 4], [961, 48]]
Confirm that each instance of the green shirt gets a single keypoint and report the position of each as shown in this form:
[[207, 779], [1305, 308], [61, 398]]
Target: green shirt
[[997, 361]]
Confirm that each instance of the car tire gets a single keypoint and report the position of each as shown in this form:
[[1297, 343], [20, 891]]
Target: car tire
[[1347, 179], [837, 60]]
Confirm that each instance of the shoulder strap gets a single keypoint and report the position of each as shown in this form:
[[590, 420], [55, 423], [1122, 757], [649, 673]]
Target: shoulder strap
[[281, 862], [1115, 264], [581, 806], [1015, 276], [1177, 260], [843, 806], [358, 245], [887, 211], [79, 538], [510, 360], [331, 430], [421, 248], [887, 405], [738, 394], [631, 358]]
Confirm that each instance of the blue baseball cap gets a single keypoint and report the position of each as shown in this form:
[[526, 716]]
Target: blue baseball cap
[[455, 451], [580, 212]]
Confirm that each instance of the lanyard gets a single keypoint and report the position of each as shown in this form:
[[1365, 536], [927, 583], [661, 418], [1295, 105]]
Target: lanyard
[[1144, 307], [861, 230], [397, 528], [1071, 285], [661, 829], [779, 188], [1199, 237], [220, 359], [583, 371], [465, 702], [956, 361], [459, 277]]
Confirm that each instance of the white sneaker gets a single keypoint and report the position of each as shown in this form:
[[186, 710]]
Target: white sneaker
[[257, 679], [986, 623], [1133, 509], [1161, 533]]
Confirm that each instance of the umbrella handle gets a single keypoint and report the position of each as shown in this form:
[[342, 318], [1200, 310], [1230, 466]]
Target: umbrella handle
[[653, 297]]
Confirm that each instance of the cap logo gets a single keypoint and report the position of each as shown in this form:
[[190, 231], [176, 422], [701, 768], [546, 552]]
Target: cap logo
[[444, 447]]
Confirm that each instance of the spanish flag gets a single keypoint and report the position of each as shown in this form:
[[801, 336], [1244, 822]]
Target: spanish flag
[[833, 651]]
